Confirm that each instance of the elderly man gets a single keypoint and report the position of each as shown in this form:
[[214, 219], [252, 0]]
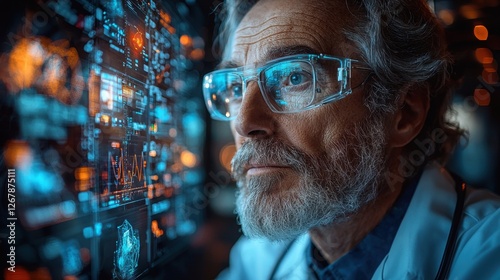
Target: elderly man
[[338, 113]]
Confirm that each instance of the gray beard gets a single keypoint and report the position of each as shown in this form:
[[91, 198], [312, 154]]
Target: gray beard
[[328, 188]]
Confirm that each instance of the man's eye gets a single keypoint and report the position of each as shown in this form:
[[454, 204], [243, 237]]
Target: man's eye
[[235, 90], [296, 78]]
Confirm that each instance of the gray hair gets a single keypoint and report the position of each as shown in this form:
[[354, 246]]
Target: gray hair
[[404, 45]]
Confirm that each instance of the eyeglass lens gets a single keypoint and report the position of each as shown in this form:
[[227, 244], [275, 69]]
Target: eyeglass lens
[[287, 86]]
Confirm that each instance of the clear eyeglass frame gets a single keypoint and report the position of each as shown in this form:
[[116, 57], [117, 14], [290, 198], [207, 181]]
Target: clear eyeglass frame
[[213, 94]]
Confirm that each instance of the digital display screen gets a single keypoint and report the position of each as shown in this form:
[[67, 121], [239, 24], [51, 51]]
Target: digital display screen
[[100, 181]]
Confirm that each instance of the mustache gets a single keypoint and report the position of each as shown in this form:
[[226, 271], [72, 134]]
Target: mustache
[[266, 151]]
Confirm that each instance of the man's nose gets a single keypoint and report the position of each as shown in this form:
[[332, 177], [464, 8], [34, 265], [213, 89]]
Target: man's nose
[[254, 119]]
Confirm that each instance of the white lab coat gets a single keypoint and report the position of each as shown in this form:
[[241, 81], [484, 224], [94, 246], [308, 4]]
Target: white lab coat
[[419, 244]]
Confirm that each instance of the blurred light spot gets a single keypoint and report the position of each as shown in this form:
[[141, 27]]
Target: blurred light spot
[[105, 119], [157, 232], [152, 153], [88, 232], [84, 173], [491, 67], [186, 227], [193, 177], [188, 159], [482, 97], [446, 16], [186, 40], [84, 196], [115, 145], [226, 155], [469, 11], [50, 66], [18, 154], [491, 77], [172, 132], [481, 32], [20, 274], [159, 207], [82, 186], [52, 248], [197, 54], [68, 208], [162, 114], [150, 191], [484, 55], [162, 166]]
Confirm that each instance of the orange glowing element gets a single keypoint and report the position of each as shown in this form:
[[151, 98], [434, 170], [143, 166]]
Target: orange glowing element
[[115, 145], [469, 11], [165, 17], [197, 54], [137, 41], [127, 92], [105, 119], [188, 159], [157, 232], [154, 177], [482, 97], [446, 16], [491, 67], [21, 273], [82, 186], [70, 277], [483, 55], [46, 66], [94, 93], [171, 29], [186, 40], [226, 155], [84, 173], [491, 77], [17, 153], [481, 32]]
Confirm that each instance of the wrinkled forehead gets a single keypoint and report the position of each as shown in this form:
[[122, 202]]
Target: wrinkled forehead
[[274, 28]]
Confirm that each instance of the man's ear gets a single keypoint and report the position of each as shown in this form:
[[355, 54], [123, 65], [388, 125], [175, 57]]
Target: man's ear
[[410, 116]]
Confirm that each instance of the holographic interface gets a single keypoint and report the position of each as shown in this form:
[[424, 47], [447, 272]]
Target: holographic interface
[[106, 134], [127, 251]]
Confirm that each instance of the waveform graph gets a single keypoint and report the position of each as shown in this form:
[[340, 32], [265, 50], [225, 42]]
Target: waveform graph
[[127, 171], [123, 176]]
